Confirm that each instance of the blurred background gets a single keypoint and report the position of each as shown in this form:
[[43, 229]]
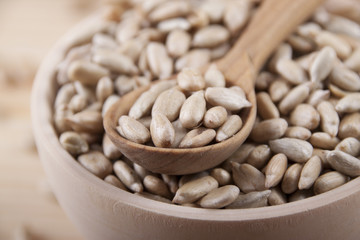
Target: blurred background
[[28, 29]]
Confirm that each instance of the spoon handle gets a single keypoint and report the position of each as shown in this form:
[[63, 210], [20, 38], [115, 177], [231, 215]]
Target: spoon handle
[[271, 24]]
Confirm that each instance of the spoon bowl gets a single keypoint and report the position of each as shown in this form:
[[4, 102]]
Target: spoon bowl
[[271, 24]]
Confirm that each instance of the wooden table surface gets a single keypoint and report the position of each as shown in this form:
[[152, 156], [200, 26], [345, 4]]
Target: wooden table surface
[[28, 28]]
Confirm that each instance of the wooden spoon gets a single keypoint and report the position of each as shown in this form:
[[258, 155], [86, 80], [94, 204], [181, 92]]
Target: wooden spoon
[[271, 24]]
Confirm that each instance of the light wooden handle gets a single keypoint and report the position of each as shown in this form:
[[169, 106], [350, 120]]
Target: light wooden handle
[[271, 24]]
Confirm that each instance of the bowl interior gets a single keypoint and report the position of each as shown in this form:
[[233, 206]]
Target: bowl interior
[[43, 96]]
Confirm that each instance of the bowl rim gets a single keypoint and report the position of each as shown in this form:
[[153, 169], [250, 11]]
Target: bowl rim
[[41, 115]]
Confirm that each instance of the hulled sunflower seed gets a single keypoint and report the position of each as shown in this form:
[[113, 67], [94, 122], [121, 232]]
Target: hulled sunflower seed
[[174, 24], [318, 96], [322, 64], [291, 178], [276, 197], [86, 121], [278, 90], [236, 15], [300, 195], [96, 163], [190, 79], [194, 190], [193, 110], [323, 140], [329, 181], [228, 98], [247, 177], [133, 130], [220, 197], [296, 96], [162, 131], [291, 71], [115, 62], [73, 143], [266, 107], [329, 118], [180, 133], [295, 149], [341, 47], [104, 89], [215, 117], [178, 42], [349, 103], [169, 103], [345, 78], [210, 36], [309, 173], [171, 181], [111, 179], [231, 126], [259, 156], [195, 58], [344, 163], [214, 77], [275, 170], [350, 146], [86, 72], [305, 115], [198, 137], [160, 63], [269, 130], [297, 132], [156, 186], [350, 126], [128, 176], [251, 200], [144, 103], [168, 10], [222, 176]]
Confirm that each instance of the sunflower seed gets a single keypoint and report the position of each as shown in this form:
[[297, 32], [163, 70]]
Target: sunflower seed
[[251, 200], [190, 79], [291, 178], [96, 163], [344, 163], [323, 140], [194, 190], [128, 176], [133, 130], [162, 131], [169, 103], [247, 177], [156, 186], [309, 173], [329, 181], [297, 132], [350, 146], [269, 130], [220, 197], [305, 115], [111, 179], [259, 156], [231, 126], [210, 36], [295, 149], [197, 138], [275, 170], [222, 176]]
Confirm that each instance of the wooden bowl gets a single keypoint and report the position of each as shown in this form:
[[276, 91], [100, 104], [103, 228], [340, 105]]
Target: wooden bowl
[[101, 211]]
